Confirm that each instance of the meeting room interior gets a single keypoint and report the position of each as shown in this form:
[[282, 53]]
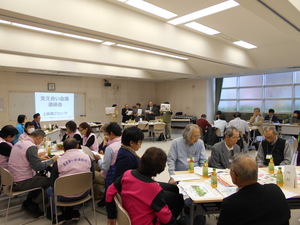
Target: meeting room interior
[[200, 56]]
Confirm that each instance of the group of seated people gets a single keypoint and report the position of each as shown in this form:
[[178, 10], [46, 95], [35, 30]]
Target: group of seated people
[[124, 172]]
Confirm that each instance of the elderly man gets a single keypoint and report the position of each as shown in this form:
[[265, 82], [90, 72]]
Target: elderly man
[[23, 162], [253, 203], [257, 120], [182, 148], [273, 146], [223, 152]]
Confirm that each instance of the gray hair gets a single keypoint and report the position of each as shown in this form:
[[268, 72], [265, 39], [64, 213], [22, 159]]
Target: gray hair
[[188, 131], [245, 167], [271, 128], [229, 131], [257, 109], [38, 133]]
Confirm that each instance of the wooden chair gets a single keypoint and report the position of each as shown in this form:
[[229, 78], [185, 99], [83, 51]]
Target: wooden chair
[[123, 217], [7, 185], [74, 185]]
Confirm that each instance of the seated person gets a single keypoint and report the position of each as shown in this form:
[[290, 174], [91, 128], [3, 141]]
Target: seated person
[[24, 162], [20, 127], [253, 203], [28, 129], [125, 111], [221, 124], [71, 162], [239, 123], [138, 112], [107, 164], [271, 117], [72, 131], [7, 135], [127, 158], [203, 123], [296, 117], [273, 146], [142, 197], [257, 120], [223, 152], [182, 148], [36, 121], [88, 139], [104, 143]]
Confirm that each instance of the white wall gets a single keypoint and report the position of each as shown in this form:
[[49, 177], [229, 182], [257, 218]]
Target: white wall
[[187, 96], [97, 96]]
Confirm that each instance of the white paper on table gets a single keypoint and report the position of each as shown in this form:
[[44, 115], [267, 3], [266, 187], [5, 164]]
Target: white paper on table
[[205, 191], [186, 176], [226, 191], [129, 113], [109, 110], [226, 180], [288, 194]]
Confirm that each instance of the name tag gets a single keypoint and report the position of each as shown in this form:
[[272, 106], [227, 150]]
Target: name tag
[[268, 156]]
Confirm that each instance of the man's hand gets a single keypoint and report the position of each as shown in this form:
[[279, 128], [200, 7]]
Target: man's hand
[[111, 222], [172, 181]]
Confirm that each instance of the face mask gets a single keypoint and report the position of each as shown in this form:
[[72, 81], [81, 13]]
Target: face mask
[[30, 130]]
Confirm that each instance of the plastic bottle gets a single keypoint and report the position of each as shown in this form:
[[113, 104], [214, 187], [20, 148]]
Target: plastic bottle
[[205, 169], [299, 137], [191, 165], [279, 177], [214, 179], [49, 146], [271, 166]]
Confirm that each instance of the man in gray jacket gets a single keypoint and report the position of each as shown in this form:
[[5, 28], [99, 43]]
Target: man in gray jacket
[[223, 152]]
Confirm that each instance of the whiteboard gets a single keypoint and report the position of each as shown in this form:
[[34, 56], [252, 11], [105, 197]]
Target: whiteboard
[[23, 103]]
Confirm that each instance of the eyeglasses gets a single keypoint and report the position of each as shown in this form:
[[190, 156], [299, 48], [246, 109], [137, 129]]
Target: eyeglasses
[[236, 138]]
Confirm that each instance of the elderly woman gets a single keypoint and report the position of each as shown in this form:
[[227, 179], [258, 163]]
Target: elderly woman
[[132, 186]]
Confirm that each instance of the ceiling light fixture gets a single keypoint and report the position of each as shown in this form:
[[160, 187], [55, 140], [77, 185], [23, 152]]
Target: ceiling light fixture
[[202, 28], [36, 28], [204, 12], [148, 7], [82, 37], [150, 51], [5, 22], [244, 44], [108, 43]]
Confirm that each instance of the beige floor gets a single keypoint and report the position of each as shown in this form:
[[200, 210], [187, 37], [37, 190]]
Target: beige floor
[[20, 218]]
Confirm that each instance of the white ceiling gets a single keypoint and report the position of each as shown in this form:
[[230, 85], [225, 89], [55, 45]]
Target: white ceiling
[[273, 26]]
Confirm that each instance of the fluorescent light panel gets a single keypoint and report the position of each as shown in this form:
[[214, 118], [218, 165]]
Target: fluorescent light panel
[[202, 28], [150, 51], [50, 31], [204, 12], [5, 22], [36, 28], [108, 43], [82, 37], [148, 7], [244, 44]]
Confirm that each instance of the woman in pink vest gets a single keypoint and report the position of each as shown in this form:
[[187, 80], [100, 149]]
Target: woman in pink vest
[[28, 129], [72, 131], [88, 139], [7, 135]]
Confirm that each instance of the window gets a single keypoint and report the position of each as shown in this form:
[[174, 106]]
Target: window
[[280, 91]]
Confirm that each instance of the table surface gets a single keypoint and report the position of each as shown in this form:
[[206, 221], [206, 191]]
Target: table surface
[[220, 199]]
